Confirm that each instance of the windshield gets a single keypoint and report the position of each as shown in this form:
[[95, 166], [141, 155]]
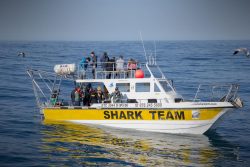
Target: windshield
[[165, 85]]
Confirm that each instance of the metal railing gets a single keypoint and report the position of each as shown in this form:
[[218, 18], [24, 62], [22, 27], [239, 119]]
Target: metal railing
[[45, 84], [106, 70], [216, 92]]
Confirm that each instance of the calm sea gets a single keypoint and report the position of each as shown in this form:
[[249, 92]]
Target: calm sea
[[26, 140]]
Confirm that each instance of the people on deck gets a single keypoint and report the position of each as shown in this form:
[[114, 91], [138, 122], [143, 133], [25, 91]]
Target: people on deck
[[77, 96], [93, 63], [82, 95], [106, 62], [103, 60], [106, 94], [116, 96], [113, 64], [86, 97], [119, 65], [93, 96], [132, 66], [73, 96], [110, 68], [54, 97], [83, 67], [100, 95]]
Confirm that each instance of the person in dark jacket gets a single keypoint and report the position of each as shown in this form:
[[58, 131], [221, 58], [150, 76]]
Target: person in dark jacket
[[93, 96], [110, 67], [113, 64], [104, 59], [73, 96], [86, 99]]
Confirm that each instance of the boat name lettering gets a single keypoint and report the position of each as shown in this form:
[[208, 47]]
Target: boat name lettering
[[138, 115], [123, 115], [167, 115]]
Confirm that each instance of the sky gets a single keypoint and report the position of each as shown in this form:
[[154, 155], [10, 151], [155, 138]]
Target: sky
[[105, 20]]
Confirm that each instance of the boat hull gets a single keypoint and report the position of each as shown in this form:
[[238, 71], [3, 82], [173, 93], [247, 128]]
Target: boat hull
[[191, 121]]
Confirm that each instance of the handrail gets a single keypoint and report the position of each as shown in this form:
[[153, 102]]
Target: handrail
[[224, 91], [102, 68], [93, 73]]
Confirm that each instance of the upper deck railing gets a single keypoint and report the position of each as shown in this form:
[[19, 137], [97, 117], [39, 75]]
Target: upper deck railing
[[108, 70]]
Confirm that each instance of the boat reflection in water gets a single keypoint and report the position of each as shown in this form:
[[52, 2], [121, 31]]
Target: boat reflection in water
[[73, 144]]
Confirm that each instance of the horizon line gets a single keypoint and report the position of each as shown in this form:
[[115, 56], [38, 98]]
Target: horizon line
[[52, 40]]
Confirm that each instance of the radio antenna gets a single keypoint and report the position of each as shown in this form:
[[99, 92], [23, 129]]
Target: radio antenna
[[155, 53], [145, 54]]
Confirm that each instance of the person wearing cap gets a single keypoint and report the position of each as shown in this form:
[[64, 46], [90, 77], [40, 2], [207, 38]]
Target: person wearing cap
[[94, 63], [116, 96]]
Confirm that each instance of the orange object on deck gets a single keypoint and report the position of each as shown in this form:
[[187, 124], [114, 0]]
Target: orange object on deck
[[139, 74]]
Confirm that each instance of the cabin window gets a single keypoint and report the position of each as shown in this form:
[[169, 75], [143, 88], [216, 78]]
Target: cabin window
[[156, 88], [142, 87], [123, 87], [165, 86]]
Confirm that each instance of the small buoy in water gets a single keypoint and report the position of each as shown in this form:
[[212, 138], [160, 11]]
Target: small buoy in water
[[139, 73]]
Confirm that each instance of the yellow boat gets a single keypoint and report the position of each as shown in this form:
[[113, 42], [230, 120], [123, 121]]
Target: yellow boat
[[147, 102]]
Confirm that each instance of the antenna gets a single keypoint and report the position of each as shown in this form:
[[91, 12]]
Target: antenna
[[155, 53], [145, 54]]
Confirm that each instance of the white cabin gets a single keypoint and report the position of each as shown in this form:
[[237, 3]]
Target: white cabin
[[143, 90]]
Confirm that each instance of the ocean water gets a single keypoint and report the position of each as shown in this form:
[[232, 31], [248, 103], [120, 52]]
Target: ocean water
[[27, 140]]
